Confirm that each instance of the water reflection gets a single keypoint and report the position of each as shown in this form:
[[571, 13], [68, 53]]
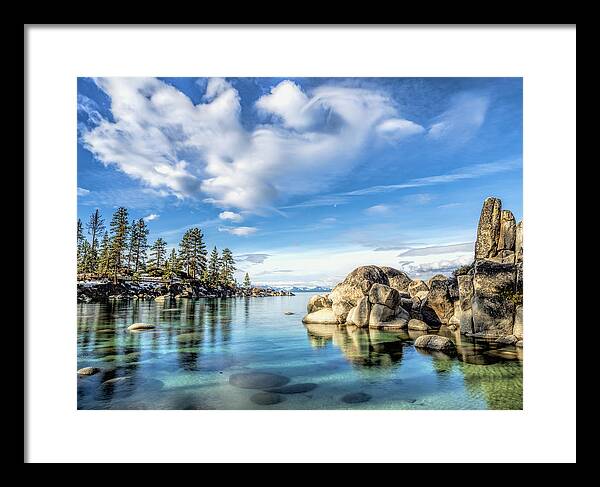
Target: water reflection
[[362, 347], [186, 361]]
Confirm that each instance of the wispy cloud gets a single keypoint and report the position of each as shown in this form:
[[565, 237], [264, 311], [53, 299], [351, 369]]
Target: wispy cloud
[[378, 210], [252, 258], [239, 231], [450, 205], [151, 216], [231, 216], [439, 249], [467, 172], [82, 191], [462, 120]]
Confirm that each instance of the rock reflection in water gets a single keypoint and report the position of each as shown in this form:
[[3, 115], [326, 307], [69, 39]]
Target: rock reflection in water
[[362, 347]]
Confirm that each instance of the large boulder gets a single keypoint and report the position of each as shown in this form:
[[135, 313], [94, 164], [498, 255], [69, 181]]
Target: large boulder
[[341, 310], [417, 325], [362, 312], [488, 230], [417, 286], [435, 342], [493, 298], [465, 301], [438, 308], [380, 314], [508, 229], [323, 316], [437, 277], [351, 290], [315, 303], [386, 295], [397, 279], [519, 241]]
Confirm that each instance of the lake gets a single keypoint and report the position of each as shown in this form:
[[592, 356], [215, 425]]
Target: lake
[[223, 353]]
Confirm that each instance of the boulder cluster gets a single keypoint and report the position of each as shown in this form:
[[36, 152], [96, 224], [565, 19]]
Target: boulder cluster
[[483, 299]]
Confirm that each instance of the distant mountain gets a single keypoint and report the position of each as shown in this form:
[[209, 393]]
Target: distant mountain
[[300, 289]]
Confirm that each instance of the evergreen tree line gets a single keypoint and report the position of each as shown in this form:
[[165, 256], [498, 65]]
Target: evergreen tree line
[[123, 250]]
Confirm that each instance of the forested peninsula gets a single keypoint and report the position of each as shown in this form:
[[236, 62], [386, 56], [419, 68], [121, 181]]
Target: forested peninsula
[[119, 262]]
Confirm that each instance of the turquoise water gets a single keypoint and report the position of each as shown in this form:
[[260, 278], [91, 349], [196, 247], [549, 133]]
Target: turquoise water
[[187, 361]]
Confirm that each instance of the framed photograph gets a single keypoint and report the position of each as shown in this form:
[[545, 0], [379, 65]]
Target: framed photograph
[[251, 245]]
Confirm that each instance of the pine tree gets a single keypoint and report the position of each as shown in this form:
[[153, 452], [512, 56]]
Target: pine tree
[[119, 229], [247, 282], [227, 268], [95, 227], [104, 264], [214, 267], [192, 253], [138, 244], [158, 253], [172, 265], [80, 246]]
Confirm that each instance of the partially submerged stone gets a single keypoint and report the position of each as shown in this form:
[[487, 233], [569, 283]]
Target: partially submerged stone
[[322, 316], [418, 325], [141, 326], [435, 342], [88, 371]]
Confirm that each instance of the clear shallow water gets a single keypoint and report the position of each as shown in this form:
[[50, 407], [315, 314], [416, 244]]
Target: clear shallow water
[[186, 362]]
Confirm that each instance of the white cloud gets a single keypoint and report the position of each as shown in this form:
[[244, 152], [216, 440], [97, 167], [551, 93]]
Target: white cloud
[[239, 231], [230, 215], [161, 138], [398, 128], [82, 191], [378, 210], [151, 216]]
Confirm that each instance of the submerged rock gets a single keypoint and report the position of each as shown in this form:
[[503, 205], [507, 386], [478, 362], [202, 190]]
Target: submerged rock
[[356, 398], [266, 398], [258, 380], [435, 342]]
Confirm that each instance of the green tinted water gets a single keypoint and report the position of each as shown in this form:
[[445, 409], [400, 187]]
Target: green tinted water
[[186, 362]]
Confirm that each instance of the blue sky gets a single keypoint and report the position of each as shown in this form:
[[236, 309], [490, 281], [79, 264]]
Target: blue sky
[[305, 178]]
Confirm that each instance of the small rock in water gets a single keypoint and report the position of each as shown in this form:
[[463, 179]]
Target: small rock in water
[[106, 330], [266, 398], [116, 380], [258, 380], [356, 398], [141, 326], [289, 313], [88, 371], [294, 388]]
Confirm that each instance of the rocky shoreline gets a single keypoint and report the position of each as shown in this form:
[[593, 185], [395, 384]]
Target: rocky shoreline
[[484, 299], [101, 291]]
